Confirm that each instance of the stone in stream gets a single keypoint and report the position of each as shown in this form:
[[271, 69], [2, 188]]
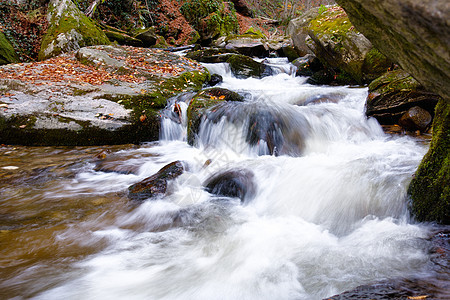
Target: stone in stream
[[416, 118], [232, 183], [157, 183]]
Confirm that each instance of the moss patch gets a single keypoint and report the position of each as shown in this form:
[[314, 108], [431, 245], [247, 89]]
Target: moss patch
[[7, 53], [430, 189]]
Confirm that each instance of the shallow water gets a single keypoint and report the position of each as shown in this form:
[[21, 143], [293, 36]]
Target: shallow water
[[329, 212]]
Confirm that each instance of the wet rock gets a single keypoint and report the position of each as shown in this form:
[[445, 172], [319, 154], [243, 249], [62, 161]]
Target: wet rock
[[232, 183], [289, 52], [100, 95], [7, 53], [393, 94], [307, 65], [69, 30], [416, 118], [201, 103], [156, 184], [215, 79], [243, 67]]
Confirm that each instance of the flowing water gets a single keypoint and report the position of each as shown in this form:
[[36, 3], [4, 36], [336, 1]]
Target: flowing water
[[327, 211]]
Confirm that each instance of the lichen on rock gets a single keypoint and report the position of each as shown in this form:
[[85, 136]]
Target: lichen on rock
[[7, 53]]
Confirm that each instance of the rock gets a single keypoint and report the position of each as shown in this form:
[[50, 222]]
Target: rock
[[413, 33], [322, 77], [430, 188], [393, 94], [156, 184], [242, 8], [147, 37], [248, 45], [211, 55], [7, 53], [416, 118], [339, 46], [201, 103], [298, 30], [210, 19], [123, 38], [307, 65], [215, 79], [69, 30], [232, 183], [243, 67], [289, 52], [100, 95]]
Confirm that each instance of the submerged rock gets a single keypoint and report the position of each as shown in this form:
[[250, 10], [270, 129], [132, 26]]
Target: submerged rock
[[393, 94], [244, 67], [69, 30], [156, 184], [232, 183]]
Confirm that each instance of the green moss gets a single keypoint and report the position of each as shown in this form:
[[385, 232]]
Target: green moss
[[333, 24], [70, 21], [243, 66], [7, 53], [430, 188], [210, 17], [394, 81], [122, 38]]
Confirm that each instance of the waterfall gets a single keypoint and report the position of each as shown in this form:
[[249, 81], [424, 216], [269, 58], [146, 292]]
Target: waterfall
[[325, 209]]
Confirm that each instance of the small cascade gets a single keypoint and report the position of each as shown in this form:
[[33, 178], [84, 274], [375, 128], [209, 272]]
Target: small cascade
[[174, 118]]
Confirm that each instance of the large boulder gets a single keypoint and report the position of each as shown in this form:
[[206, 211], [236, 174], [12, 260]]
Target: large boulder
[[392, 95], [413, 33], [7, 53], [100, 95], [416, 35], [333, 39], [298, 30], [69, 30]]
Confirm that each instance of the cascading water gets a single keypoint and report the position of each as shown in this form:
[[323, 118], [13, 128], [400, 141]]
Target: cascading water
[[327, 212]]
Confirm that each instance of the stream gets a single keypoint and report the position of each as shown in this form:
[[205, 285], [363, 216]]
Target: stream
[[322, 207]]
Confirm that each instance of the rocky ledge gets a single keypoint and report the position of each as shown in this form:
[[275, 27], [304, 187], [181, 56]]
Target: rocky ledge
[[97, 95]]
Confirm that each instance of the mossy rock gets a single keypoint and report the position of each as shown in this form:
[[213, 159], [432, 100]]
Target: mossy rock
[[393, 94], [430, 188], [7, 53], [210, 18], [201, 103], [243, 67], [69, 30], [338, 45], [123, 39]]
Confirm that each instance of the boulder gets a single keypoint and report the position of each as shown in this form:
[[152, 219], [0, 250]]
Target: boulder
[[100, 95], [69, 30], [307, 65], [393, 94], [413, 33], [232, 183], [333, 39], [298, 30], [248, 45], [201, 103], [416, 118], [215, 79], [243, 67], [157, 183], [430, 188], [7, 53], [148, 37]]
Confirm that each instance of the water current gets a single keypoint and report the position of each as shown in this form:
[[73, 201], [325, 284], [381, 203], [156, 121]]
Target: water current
[[327, 210]]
